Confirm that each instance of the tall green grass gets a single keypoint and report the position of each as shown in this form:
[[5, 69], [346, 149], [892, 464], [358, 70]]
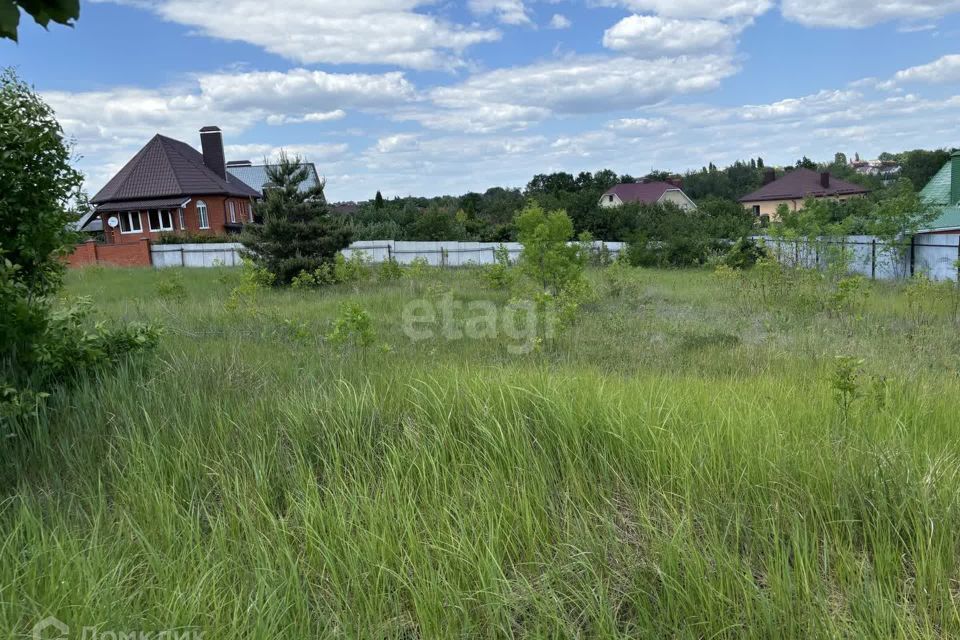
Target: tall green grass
[[646, 477]]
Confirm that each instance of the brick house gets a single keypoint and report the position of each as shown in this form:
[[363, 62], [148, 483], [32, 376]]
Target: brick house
[[170, 187]]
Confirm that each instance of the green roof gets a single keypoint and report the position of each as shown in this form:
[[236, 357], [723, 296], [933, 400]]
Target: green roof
[[937, 191]]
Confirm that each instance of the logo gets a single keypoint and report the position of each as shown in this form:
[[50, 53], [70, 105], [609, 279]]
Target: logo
[[50, 629]]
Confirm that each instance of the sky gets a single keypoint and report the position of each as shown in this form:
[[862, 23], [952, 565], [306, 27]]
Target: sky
[[421, 97]]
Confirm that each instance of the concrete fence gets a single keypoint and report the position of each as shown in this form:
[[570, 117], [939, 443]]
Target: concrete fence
[[934, 254], [440, 254]]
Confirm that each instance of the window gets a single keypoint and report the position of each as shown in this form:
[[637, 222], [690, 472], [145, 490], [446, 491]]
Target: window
[[130, 222], [183, 227], [756, 210], [202, 214], [160, 220], [609, 198], [233, 212]]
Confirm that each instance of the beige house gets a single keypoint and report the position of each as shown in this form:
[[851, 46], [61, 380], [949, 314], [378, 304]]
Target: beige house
[[793, 188], [646, 192]]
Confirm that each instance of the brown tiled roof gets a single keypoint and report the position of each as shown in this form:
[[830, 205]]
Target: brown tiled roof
[[165, 168], [648, 192], [802, 183]]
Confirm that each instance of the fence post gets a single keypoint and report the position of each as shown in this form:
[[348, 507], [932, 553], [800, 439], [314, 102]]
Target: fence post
[[389, 253], [913, 254], [873, 259]]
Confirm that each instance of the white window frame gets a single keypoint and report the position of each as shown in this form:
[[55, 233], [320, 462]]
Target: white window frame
[[203, 216], [233, 211], [183, 226], [130, 218], [160, 217]]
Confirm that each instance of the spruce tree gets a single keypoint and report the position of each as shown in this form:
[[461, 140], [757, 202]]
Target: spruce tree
[[378, 201], [297, 232]]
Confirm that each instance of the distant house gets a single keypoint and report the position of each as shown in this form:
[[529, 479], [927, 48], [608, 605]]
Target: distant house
[[646, 193], [169, 187], [943, 192], [794, 187], [256, 175]]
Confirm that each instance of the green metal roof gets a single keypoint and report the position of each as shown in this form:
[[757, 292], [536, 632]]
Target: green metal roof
[[937, 191]]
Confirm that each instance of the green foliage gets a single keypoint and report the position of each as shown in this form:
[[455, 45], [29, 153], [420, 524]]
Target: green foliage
[[190, 237], [254, 280], [845, 380], [500, 275], [171, 286], [42, 343], [744, 253], [390, 270], [547, 257], [297, 233], [356, 268], [353, 328], [42, 11]]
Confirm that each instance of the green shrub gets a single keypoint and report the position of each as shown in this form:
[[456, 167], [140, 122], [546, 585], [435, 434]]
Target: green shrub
[[353, 327], [499, 275], [744, 253], [390, 270], [170, 286]]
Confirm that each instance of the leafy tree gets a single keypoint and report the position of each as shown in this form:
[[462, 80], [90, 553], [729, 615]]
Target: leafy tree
[[41, 343], [43, 12], [806, 163], [378, 201], [839, 158], [297, 233], [547, 257], [919, 165]]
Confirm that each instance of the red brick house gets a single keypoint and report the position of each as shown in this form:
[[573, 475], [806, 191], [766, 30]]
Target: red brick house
[[170, 187]]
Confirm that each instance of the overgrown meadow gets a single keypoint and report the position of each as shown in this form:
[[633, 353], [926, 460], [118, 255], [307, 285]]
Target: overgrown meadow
[[687, 454]]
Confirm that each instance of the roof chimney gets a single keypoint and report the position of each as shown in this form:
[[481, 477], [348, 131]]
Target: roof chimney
[[211, 141], [955, 178], [825, 180], [769, 176]]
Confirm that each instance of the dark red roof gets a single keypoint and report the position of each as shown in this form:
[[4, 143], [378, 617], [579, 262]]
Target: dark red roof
[[165, 168], [803, 183], [649, 192]]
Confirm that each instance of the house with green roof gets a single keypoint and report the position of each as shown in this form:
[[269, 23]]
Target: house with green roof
[[943, 191]]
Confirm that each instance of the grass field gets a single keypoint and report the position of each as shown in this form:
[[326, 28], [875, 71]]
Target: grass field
[[682, 462]]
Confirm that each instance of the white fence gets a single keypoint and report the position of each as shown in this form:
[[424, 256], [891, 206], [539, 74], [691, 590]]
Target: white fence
[[934, 254], [440, 254]]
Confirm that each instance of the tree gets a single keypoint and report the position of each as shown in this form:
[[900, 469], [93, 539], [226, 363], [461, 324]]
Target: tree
[[43, 12], [378, 201], [547, 257], [839, 158], [297, 233], [806, 163], [40, 344]]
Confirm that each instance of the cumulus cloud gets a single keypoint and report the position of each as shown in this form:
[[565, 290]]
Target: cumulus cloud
[[655, 35], [941, 71], [506, 11], [588, 84], [560, 21], [864, 13], [309, 152], [482, 118], [711, 9], [331, 31]]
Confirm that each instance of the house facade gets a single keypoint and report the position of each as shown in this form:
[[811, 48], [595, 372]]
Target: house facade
[[793, 188], [170, 187], [646, 193]]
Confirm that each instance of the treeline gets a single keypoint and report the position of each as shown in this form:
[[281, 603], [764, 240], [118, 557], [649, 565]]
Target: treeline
[[488, 216]]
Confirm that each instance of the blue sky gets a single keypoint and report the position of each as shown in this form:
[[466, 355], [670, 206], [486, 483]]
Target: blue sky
[[423, 98]]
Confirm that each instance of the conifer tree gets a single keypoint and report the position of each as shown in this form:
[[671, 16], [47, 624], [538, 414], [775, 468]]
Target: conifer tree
[[297, 232]]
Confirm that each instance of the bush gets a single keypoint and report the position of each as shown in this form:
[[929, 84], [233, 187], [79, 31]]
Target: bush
[[189, 237], [390, 270], [744, 253], [41, 343]]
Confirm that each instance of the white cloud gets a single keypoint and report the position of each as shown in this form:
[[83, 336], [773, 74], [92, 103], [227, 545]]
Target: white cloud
[[687, 9], [506, 11], [331, 31], [638, 125], [942, 71], [560, 21], [864, 13], [309, 152], [588, 84], [321, 116], [483, 118], [654, 35]]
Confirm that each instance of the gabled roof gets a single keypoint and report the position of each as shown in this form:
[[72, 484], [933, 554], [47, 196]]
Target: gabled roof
[[166, 168], [937, 192], [803, 183], [648, 192], [256, 176]]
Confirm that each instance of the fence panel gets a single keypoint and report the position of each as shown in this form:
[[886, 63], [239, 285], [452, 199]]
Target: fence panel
[[936, 254]]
